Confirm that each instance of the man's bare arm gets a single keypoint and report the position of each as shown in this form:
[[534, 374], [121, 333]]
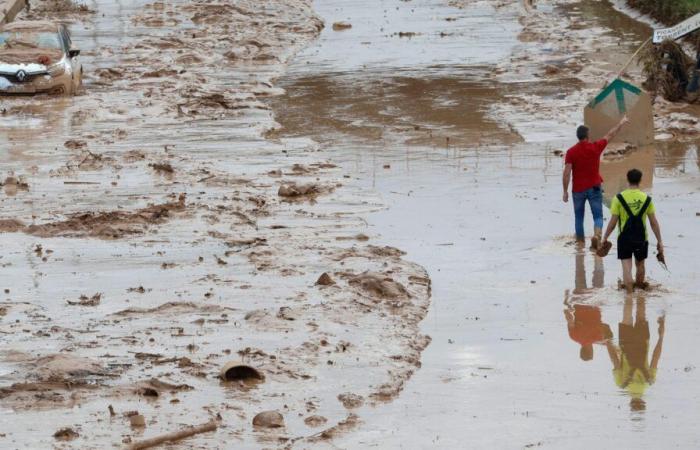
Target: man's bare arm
[[565, 180], [612, 353], [659, 345], [656, 228], [611, 226], [616, 129]]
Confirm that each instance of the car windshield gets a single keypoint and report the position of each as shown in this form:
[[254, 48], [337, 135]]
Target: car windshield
[[29, 39]]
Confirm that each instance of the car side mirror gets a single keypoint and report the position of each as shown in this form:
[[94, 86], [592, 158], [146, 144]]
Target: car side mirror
[[73, 52]]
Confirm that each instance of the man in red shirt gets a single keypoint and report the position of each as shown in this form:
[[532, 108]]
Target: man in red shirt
[[583, 162]]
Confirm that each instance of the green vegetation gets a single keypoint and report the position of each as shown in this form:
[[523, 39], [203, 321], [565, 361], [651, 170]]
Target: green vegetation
[[667, 11]]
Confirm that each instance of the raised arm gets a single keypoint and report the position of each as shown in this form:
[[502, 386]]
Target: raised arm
[[565, 180], [657, 232], [611, 226], [616, 129]]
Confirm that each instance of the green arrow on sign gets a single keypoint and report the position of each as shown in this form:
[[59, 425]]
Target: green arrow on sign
[[618, 87]]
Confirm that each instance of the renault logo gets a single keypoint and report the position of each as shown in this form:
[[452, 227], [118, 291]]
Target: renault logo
[[21, 75]]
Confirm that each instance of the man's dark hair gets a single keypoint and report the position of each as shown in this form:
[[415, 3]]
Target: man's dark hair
[[586, 353], [634, 176], [582, 132]]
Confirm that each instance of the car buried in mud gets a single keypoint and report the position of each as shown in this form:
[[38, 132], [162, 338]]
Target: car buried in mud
[[38, 57]]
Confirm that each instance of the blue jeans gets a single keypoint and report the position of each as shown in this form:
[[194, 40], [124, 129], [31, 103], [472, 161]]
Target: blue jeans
[[594, 196]]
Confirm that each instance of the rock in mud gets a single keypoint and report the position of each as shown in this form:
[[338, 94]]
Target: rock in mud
[[66, 434], [379, 285], [268, 419], [325, 280]]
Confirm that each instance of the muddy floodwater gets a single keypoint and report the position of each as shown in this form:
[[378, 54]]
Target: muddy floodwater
[[362, 201]]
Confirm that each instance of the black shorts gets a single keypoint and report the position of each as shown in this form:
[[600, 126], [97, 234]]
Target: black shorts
[[626, 250]]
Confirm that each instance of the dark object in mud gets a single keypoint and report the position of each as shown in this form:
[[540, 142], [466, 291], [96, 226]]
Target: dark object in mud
[[268, 419], [666, 67], [87, 301], [338, 26], [237, 371], [315, 421], [162, 167], [174, 436], [75, 144], [65, 434], [604, 249], [137, 421], [148, 392], [325, 280], [293, 190]]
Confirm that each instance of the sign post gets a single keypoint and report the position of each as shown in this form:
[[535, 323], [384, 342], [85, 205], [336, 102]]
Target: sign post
[[678, 31]]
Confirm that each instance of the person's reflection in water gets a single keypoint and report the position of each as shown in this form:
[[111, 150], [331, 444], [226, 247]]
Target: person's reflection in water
[[631, 368], [584, 322]]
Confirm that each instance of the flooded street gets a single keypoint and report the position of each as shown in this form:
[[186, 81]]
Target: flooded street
[[368, 213], [479, 207]]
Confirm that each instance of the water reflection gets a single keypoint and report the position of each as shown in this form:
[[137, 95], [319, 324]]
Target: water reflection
[[584, 322], [632, 370]]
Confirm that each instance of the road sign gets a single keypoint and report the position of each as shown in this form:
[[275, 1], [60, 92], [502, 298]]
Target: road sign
[[614, 101], [678, 31]]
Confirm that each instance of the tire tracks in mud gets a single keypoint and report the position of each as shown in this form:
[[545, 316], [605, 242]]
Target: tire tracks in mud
[[227, 252]]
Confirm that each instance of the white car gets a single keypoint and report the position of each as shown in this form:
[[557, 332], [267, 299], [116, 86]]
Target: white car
[[38, 57]]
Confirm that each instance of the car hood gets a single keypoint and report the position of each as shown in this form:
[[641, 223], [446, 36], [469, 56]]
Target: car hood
[[27, 59]]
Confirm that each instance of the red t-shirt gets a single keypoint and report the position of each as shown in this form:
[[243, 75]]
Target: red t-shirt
[[584, 158], [588, 327]]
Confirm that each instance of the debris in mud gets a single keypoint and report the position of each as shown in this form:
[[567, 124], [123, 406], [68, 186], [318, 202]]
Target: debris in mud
[[294, 190], [66, 434], [379, 285], [350, 400], [341, 427], [47, 8], [107, 225], [238, 371], [75, 144], [162, 167], [325, 280], [84, 300], [137, 421], [315, 421], [174, 436], [668, 69], [339, 26], [268, 419], [10, 226]]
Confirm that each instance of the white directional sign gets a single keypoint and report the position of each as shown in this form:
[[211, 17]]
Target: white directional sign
[[680, 30]]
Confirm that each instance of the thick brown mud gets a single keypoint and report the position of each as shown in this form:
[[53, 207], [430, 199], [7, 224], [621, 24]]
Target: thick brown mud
[[153, 235]]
